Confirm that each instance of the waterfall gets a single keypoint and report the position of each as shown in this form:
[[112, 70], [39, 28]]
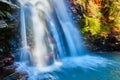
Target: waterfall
[[40, 47], [23, 50], [51, 43], [54, 34], [72, 35], [39, 33], [23, 28]]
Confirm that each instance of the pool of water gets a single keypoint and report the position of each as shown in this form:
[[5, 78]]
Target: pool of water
[[104, 66]]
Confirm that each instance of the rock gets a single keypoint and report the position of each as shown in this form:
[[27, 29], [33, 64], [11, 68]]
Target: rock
[[3, 24], [7, 6], [9, 23], [8, 10], [8, 61], [115, 32], [1, 64], [13, 2], [9, 73], [17, 76], [5, 73]]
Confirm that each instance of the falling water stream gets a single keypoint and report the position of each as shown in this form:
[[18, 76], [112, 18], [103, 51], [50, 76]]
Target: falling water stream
[[50, 29], [52, 44]]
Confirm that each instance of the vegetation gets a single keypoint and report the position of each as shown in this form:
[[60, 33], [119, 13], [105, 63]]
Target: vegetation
[[100, 20], [100, 17]]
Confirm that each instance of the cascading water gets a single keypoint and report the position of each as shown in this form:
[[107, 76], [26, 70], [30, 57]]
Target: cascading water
[[23, 29], [48, 17], [53, 35], [72, 36], [23, 51], [41, 47], [48, 14]]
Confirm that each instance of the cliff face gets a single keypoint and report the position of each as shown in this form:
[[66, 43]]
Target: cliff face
[[9, 26]]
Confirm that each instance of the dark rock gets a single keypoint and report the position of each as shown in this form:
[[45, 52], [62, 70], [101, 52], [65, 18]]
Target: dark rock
[[1, 64], [3, 24], [9, 23], [9, 34], [17, 76], [7, 6], [5, 72], [108, 44], [9, 73]]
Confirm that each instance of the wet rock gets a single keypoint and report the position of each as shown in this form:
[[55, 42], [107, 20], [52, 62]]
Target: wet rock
[[17, 76], [5, 73], [8, 61], [110, 43], [9, 23], [8, 11], [7, 6], [9, 26], [3, 24], [1, 64], [10, 73]]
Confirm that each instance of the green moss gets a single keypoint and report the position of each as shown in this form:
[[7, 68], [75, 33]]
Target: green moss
[[105, 28], [4, 13], [92, 26], [99, 15], [100, 18]]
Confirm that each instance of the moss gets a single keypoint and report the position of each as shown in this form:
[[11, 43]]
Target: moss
[[92, 25], [105, 28], [101, 21], [100, 17]]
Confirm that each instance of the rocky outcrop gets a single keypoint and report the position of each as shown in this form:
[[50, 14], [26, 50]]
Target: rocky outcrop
[[9, 40], [3, 24], [8, 27], [110, 43], [9, 24], [10, 74]]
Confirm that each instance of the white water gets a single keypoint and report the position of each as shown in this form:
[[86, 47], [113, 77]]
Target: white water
[[39, 29], [68, 68], [41, 48], [24, 53], [23, 28], [70, 30], [45, 18]]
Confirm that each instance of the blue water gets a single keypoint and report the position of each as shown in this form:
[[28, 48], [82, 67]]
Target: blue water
[[102, 66], [91, 68], [75, 63]]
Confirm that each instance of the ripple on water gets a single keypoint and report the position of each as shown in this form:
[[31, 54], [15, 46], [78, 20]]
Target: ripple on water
[[75, 68]]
